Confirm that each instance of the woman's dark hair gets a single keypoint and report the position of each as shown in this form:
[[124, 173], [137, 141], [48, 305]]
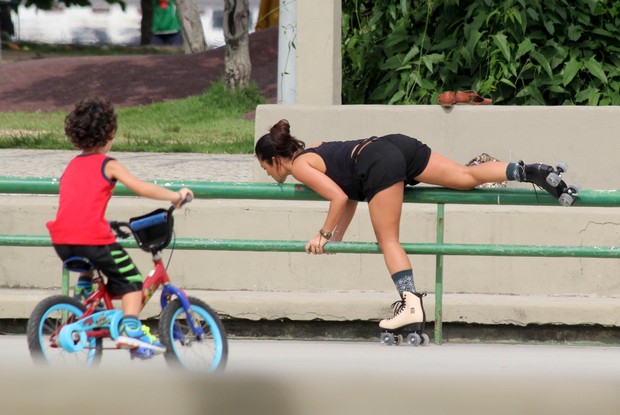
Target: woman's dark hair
[[278, 142], [91, 124]]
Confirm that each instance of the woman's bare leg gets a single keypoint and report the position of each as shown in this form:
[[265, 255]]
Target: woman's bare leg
[[445, 172], [385, 211]]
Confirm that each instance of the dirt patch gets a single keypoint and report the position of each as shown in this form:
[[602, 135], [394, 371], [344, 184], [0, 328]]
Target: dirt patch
[[51, 83]]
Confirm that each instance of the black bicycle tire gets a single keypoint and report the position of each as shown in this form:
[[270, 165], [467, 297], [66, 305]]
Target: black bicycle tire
[[34, 324], [165, 324]]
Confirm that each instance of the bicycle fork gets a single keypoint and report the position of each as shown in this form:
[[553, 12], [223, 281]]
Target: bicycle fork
[[168, 292]]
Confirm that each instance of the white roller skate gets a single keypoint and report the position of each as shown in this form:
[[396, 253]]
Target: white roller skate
[[407, 323]]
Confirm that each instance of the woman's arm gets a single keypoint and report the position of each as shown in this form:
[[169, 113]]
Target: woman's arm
[[308, 174], [309, 170], [345, 221], [115, 170]]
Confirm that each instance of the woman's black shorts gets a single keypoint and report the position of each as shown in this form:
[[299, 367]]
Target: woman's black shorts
[[388, 160]]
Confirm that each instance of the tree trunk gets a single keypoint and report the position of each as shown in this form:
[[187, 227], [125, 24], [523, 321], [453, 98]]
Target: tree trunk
[[146, 22], [237, 65], [191, 25]]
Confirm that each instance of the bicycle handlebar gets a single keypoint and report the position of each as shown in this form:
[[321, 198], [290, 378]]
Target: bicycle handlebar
[[149, 221], [144, 223]]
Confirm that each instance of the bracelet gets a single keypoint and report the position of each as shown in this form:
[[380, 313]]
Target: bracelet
[[326, 235]]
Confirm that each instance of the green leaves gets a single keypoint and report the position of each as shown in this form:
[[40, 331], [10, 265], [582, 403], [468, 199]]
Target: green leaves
[[596, 69], [570, 70], [517, 52]]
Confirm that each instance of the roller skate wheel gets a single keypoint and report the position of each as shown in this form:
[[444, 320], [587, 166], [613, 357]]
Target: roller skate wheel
[[554, 179], [398, 339], [573, 189], [387, 339], [414, 339], [561, 167], [566, 200]]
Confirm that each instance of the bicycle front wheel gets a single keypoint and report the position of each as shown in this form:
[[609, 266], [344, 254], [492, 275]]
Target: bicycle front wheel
[[44, 325], [204, 349]]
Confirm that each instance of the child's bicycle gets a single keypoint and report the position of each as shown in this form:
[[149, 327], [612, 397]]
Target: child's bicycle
[[64, 331]]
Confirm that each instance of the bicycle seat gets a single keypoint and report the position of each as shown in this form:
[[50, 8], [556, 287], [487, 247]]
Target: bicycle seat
[[78, 264]]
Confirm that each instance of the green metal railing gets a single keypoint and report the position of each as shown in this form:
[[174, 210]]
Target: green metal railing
[[438, 196]]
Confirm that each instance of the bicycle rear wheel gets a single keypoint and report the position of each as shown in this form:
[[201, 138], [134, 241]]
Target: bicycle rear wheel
[[44, 325], [208, 352]]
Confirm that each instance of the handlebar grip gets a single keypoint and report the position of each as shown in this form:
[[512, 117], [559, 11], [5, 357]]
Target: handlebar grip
[[187, 199], [149, 221]]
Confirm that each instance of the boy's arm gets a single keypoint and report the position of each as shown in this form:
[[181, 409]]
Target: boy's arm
[[116, 171]]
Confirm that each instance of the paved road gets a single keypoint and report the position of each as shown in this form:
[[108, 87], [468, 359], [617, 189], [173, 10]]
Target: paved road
[[323, 377], [148, 166]]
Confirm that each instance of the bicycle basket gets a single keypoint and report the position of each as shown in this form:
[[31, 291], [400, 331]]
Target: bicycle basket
[[153, 231]]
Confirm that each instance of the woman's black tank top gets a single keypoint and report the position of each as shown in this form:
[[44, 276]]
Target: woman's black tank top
[[340, 166]]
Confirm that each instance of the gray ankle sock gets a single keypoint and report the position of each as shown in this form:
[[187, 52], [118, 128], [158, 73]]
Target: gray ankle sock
[[403, 280], [512, 172], [515, 172]]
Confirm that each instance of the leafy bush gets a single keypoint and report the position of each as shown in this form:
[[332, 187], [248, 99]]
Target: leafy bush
[[517, 52]]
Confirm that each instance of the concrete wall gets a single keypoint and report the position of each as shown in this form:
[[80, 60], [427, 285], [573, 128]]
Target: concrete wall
[[487, 290]]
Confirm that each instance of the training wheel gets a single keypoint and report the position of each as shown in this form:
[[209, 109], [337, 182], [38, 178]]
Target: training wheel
[[387, 339], [414, 339]]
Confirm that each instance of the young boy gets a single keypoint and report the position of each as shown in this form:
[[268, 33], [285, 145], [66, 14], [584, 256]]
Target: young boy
[[80, 227]]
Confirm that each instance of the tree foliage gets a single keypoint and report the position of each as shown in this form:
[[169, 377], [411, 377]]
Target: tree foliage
[[517, 52]]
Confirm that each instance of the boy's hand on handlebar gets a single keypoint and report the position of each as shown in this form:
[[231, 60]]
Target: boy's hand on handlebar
[[185, 196]]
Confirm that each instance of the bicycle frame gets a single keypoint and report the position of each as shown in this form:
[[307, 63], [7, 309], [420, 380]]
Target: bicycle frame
[[157, 278]]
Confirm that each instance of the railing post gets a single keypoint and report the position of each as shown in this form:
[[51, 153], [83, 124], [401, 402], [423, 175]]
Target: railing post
[[65, 281], [439, 276]]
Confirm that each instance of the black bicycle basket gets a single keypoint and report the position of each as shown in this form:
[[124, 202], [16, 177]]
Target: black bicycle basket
[[153, 231]]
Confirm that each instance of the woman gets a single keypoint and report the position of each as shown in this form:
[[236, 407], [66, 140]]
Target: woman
[[376, 170]]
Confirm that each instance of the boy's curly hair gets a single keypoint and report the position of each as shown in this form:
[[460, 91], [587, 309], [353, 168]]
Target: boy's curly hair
[[91, 124]]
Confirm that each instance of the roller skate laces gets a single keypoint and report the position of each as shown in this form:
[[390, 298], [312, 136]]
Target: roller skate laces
[[407, 311]]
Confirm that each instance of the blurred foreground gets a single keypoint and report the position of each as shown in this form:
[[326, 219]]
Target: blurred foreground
[[326, 377]]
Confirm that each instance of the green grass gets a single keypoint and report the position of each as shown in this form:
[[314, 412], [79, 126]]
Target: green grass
[[46, 49], [210, 123]]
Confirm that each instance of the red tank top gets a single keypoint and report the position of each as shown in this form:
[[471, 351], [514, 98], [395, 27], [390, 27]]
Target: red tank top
[[84, 195]]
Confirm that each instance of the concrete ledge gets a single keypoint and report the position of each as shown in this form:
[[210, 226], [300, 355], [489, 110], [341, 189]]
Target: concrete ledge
[[371, 306]]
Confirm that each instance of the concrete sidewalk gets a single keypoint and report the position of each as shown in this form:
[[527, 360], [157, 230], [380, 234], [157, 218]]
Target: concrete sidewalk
[[147, 166]]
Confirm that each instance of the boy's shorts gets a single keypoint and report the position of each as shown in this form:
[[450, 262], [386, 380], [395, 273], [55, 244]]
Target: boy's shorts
[[115, 263]]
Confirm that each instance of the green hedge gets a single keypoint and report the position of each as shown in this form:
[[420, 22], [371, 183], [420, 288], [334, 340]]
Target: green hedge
[[517, 52]]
